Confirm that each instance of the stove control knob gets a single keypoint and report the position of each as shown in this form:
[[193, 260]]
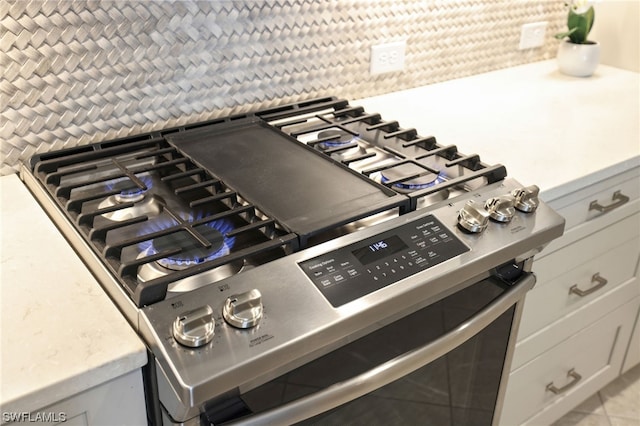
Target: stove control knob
[[473, 217], [526, 198], [194, 328], [501, 208], [243, 310]]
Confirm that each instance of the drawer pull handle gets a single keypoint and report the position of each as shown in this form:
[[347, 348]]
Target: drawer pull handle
[[618, 199], [575, 378], [596, 278]]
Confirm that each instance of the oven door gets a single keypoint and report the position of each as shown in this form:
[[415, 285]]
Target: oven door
[[443, 365]]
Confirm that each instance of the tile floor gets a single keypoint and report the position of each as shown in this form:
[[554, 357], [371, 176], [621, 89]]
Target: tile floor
[[617, 404]]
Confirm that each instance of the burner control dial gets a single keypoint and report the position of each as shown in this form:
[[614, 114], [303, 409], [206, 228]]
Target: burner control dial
[[473, 217], [501, 208], [243, 310], [194, 328], [526, 198]]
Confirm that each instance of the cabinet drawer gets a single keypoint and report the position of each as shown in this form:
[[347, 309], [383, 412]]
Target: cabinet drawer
[[571, 256], [530, 347], [597, 201], [550, 385], [589, 228], [558, 297]]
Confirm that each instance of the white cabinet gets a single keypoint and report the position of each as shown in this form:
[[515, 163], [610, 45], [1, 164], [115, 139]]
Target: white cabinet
[[65, 346], [633, 353], [117, 402], [547, 386], [579, 324]]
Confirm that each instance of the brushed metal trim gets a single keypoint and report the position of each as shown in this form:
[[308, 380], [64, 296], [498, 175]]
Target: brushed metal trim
[[511, 348]]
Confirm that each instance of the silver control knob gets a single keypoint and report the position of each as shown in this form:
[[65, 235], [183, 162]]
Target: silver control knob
[[473, 217], [501, 208], [194, 328], [526, 198], [243, 310]]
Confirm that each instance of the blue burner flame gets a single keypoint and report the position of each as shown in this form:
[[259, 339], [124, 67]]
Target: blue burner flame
[[193, 254], [415, 186], [337, 138], [130, 192], [333, 144]]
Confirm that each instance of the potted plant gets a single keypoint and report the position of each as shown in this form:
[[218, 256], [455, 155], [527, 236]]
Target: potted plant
[[577, 55]]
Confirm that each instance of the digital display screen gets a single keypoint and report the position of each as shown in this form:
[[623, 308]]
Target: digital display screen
[[379, 249]]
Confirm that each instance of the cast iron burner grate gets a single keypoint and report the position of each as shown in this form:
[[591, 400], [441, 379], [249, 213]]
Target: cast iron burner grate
[[370, 145], [213, 239], [139, 203], [148, 203]]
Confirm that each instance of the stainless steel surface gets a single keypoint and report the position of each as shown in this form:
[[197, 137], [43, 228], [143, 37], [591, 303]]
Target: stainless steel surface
[[343, 392], [280, 342], [144, 206], [194, 328], [243, 310], [574, 379], [150, 271], [618, 199], [527, 198], [597, 279], [473, 217], [506, 368], [501, 208]]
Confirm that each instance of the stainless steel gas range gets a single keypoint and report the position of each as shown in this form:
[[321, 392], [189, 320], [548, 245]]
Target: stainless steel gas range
[[307, 263]]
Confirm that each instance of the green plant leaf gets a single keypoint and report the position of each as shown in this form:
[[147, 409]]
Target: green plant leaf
[[560, 36], [580, 24]]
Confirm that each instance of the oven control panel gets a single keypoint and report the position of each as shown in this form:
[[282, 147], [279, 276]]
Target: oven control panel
[[361, 268]]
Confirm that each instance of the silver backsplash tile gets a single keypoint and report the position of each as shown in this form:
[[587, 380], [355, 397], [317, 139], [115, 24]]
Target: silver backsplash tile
[[75, 72]]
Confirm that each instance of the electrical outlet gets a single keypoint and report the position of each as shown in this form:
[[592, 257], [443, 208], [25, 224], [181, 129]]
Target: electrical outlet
[[387, 57], [532, 35]]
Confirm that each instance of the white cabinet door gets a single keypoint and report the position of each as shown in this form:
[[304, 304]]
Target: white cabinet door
[[633, 353], [550, 385], [117, 402]]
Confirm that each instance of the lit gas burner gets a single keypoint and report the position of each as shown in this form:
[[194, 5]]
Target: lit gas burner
[[424, 178], [336, 138], [193, 253], [421, 182], [130, 196], [145, 204], [338, 142], [131, 191]]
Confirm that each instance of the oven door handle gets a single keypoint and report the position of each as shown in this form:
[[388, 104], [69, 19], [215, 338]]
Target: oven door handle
[[394, 369]]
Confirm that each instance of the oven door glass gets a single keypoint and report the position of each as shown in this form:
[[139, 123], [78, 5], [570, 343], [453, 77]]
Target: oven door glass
[[459, 388]]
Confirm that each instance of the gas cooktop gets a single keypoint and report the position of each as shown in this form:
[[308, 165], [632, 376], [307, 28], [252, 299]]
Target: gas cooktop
[[174, 210]]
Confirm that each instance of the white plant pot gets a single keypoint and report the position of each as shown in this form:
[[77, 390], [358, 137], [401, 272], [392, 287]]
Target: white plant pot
[[578, 60]]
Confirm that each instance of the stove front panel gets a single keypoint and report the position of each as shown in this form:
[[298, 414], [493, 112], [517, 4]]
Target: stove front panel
[[350, 272]]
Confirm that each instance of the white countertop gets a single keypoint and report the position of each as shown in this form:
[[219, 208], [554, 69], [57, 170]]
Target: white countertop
[[558, 132], [59, 332]]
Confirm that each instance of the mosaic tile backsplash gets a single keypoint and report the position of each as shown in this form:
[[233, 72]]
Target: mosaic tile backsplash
[[76, 72]]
